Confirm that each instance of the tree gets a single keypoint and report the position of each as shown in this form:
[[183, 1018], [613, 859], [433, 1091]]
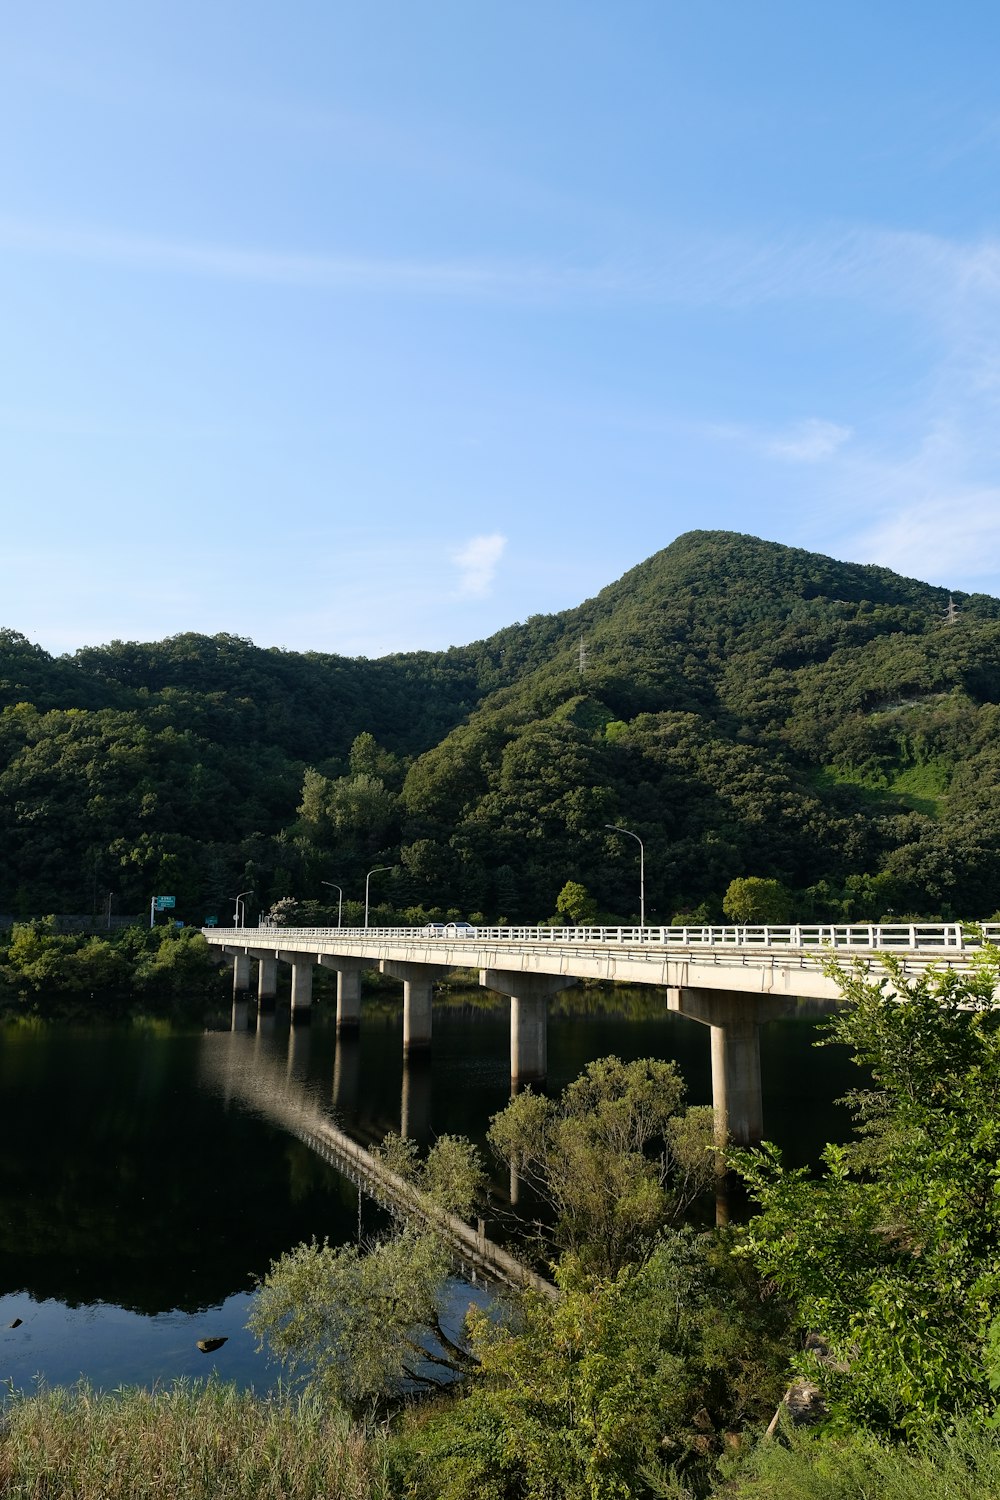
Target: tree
[[362, 1323], [616, 1158], [753, 899], [893, 1256], [596, 1392], [358, 1324], [575, 904], [451, 1177]]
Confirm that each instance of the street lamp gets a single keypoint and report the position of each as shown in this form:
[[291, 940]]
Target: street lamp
[[241, 907], [340, 903], [367, 878], [642, 868]]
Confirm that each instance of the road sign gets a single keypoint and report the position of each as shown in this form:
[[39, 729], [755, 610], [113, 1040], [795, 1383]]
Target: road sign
[[163, 903], [211, 921]]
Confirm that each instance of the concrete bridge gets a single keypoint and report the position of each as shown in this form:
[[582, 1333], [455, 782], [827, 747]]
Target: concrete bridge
[[730, 979]]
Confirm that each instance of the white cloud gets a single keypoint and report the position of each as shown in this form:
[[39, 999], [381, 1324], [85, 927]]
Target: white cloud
[[809, 442], [477, 563]]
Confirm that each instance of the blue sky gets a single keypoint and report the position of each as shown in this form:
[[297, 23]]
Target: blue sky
[[371, 327]]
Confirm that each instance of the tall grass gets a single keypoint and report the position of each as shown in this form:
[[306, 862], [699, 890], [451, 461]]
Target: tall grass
[[962, 1465], [185, 1442]]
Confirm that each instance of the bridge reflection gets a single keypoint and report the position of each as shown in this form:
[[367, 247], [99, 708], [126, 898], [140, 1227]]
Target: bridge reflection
[[247, 1065]]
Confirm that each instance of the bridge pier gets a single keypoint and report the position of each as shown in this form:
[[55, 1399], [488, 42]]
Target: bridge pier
[[418, 984], [529, 1018], [241, 970], [267, 976], [348, 972], [735, 1019], [302, 984]]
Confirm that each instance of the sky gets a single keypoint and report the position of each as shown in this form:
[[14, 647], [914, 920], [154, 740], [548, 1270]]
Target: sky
[[376, 327]]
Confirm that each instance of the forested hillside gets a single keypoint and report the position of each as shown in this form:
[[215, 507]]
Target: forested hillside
[[748, 708]]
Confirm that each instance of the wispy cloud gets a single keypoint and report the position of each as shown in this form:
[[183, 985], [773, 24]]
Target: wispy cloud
[[477, 563], [951, 537], [809, 442], [731, 270]]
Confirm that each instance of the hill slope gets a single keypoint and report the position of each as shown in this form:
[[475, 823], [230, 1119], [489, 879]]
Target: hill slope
[[748, 708]]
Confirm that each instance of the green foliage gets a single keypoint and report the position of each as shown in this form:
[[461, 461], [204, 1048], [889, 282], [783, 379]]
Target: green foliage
[[750, 706], [893, 1256], [615, 1159], [575, 905], [751, 899], [157, 963], [452, 1175], [352, 1324], [577, 1398]]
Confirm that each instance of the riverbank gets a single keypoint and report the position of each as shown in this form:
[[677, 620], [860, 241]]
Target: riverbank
[[48, 971], [197, 1442]]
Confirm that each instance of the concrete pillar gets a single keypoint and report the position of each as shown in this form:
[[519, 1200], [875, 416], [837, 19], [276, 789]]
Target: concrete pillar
[[302, 983], [241, 973], [241, 1015], [418, 984], [529, 1018], [267, 978], [735, 1020], [348, 988]]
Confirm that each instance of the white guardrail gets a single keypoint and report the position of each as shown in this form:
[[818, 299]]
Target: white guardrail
[[900, 937]]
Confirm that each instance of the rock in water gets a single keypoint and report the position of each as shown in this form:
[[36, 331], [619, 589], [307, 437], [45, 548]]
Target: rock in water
[[16, 1323], [208, 1346]]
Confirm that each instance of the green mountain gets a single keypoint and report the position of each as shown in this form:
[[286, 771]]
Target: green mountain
[[747, 708]]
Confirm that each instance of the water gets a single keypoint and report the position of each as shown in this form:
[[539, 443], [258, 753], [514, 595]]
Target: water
[[147, 1175]]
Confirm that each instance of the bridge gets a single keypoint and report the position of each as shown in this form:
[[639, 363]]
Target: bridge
[[730, 979]]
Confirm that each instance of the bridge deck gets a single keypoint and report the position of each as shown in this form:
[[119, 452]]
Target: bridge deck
[[792, 960]]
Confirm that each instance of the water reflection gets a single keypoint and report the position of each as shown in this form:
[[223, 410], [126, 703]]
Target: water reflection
[[156, 1172], [415, 1099], [346, 1075]]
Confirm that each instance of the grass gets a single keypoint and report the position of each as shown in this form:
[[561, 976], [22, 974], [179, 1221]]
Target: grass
[[920, 788], [185, 1442], [960, 1465]]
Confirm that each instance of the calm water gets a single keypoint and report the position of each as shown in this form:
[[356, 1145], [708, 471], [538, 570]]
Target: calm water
[[147, 1175]]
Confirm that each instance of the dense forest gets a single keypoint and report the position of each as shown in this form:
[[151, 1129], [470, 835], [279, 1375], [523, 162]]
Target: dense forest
[[747, 708]]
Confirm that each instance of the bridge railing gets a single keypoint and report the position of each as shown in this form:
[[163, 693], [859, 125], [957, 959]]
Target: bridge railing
[[948, 937]]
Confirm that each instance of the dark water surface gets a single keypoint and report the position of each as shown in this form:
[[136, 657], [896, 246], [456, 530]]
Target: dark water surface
[[148, 1174]]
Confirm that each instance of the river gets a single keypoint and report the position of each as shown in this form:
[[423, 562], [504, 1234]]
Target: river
[[148, 1174]]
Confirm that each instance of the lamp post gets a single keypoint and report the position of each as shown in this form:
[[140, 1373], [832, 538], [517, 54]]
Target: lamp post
[[367, 878], [340, 903], [240, 914], [642, 868]]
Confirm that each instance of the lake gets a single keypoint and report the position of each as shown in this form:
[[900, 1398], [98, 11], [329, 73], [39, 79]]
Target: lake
[[148, 1173]]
